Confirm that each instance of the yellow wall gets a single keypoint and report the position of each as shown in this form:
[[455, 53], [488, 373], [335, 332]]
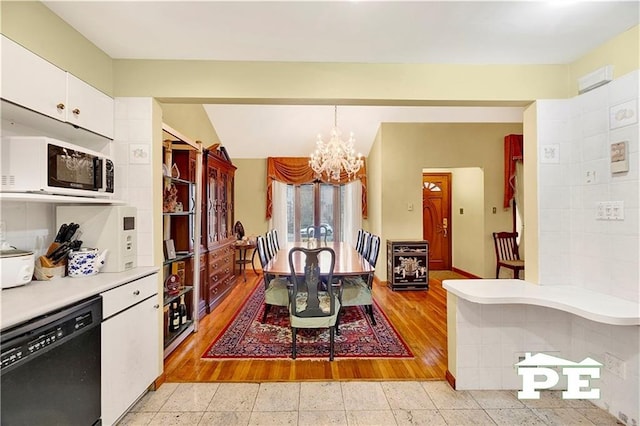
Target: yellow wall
[[211, 81], [38, 29], [251, 195], [622, 51], [373, 223], [191, 120], [407, 149]]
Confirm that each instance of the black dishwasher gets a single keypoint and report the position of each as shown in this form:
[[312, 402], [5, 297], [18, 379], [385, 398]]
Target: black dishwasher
[[50, 373]]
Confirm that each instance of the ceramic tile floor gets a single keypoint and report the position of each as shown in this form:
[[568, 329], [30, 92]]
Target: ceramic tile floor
[[353, 403]]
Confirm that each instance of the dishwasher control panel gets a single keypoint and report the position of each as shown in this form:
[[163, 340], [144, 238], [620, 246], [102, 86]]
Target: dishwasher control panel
[[40, 339]]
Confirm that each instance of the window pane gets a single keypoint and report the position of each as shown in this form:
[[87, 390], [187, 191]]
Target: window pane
[[305, 210], [327, 211]]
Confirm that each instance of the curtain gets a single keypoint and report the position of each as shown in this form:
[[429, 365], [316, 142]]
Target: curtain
[[519, 194], [296, 170], [352, 210], [513, 152], [278, 219]]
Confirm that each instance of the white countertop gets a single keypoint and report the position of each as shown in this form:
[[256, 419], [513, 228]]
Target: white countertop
[[23, 303], [579, 301]]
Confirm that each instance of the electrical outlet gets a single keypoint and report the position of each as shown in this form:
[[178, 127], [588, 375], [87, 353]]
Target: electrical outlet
[[610, 210], [614, 365], [590, 177]]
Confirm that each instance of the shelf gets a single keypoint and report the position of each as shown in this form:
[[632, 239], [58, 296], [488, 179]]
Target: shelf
[[50, 198], [173, 335], [179, 256], [188, 213], [178, 180], [170, 298]]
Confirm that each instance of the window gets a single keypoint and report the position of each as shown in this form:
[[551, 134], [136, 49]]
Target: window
[[315, 204]]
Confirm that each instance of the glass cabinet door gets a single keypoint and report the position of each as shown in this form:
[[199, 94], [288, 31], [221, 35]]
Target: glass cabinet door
[[223, 205], [212, 188]]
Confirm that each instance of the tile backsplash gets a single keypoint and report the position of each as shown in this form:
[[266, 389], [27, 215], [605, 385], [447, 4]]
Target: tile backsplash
[[576, 248]]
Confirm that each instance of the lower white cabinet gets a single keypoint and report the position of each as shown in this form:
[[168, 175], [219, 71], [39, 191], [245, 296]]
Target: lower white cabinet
[[130, 346]]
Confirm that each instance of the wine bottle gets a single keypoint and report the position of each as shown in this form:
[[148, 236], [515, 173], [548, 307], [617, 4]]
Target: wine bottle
[[174, 317], [183, 310]]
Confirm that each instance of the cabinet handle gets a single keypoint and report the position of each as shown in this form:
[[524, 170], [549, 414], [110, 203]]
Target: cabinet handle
[[76, 111], [156, 306], [60, 106], [136, 293]]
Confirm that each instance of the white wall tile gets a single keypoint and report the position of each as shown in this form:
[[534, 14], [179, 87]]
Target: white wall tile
[[623, 88], [553, 110]]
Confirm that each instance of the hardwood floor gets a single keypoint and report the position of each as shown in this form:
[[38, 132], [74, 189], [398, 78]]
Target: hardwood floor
[[419, 316]]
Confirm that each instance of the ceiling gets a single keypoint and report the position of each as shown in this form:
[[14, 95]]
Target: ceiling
[[452, 32]]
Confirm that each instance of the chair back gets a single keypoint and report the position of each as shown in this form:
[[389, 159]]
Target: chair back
[[360, 240], [309, 297], [320, 232], [506, 246], [261, 246], [366, 245], [276, 243], [374, 250], [271, 248]]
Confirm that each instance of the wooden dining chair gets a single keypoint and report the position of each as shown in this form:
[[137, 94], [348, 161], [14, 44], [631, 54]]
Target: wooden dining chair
[[319, 232], [276, 289], [276, 243], [366, 245], [270, 245], [358, 290], [312, 304], [507, 255], [360, 240]]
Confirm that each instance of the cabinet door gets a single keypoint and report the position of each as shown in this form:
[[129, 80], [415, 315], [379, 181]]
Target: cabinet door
[[32, 82], [130, 357], [88, 107], [223, 206], [212, 206]]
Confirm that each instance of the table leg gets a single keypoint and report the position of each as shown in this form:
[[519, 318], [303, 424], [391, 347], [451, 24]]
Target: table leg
[[243, 263]]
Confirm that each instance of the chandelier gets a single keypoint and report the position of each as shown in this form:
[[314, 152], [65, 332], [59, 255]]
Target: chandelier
[[332, 157]]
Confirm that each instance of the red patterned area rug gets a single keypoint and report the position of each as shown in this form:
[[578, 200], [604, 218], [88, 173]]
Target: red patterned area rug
[[247, 337]]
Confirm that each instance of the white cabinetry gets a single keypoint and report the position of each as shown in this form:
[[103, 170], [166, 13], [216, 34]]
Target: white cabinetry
[[34, 83], [89, 108], [130, 345]]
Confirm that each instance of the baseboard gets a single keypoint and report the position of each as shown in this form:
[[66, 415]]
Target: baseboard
[[450, 379], [465, 273], [158, 382]]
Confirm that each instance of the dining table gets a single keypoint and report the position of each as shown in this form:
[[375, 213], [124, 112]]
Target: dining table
[[348, 261]]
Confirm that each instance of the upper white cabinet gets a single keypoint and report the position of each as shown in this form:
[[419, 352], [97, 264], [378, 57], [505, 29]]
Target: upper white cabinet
[[89, 108], [32, 82], [36, 84]]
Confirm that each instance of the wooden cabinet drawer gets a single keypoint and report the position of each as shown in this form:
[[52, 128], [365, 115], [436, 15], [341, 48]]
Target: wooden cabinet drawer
[[120, 298]]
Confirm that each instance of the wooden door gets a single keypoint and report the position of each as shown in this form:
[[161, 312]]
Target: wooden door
[[436, 218]]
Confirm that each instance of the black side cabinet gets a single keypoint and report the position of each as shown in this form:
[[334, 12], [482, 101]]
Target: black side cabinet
[[408, 264]]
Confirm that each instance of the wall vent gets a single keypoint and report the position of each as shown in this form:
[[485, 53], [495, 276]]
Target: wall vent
[[594, 79]]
